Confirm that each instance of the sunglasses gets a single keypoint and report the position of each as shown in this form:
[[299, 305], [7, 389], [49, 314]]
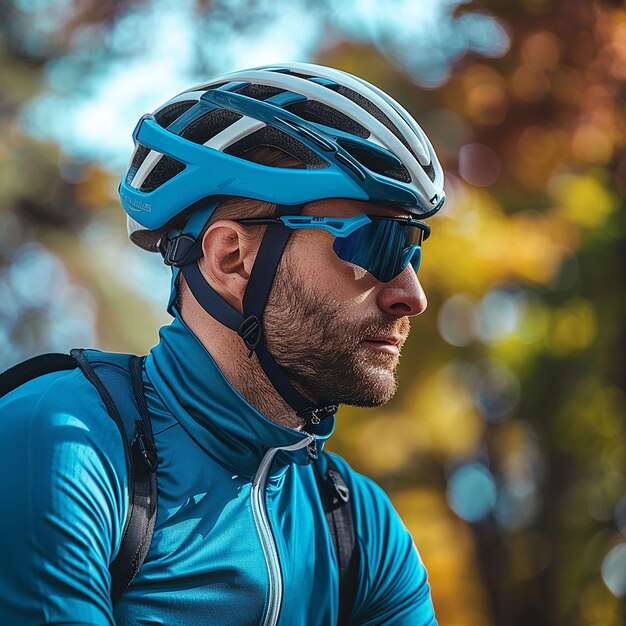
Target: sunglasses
[[383, 246]]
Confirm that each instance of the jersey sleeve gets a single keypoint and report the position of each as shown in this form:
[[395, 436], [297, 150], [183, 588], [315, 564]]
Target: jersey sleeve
[[63, 493], [393, 585]]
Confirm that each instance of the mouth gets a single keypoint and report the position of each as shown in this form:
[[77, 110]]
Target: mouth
[[386, 345]]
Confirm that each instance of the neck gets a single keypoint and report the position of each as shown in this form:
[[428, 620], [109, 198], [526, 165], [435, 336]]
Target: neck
[[244, 373]]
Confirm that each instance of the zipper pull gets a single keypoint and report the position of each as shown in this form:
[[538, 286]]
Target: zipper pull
[[311, 449]]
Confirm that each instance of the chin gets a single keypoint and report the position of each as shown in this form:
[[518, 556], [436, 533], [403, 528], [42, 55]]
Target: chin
[[372, 388]]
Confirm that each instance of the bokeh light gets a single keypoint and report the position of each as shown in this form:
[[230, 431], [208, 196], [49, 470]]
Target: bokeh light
[[614, 570], [496, 392], [471, 491], [479, 165], [498, 315], [455, 321]]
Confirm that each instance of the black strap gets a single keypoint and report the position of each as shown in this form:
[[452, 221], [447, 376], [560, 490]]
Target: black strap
[[141, 464], [266, 263], [336, 500], [144, 427], [209, 299], [143, 495], [33, 368]]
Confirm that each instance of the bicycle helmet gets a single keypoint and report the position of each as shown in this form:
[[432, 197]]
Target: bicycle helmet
[[355, 141]]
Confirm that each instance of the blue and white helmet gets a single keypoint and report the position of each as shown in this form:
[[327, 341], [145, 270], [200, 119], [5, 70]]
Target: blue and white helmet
[[355, 141]]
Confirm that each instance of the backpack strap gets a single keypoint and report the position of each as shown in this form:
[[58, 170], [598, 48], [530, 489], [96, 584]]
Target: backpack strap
[[117, 377], [33, 368], [339, 516]]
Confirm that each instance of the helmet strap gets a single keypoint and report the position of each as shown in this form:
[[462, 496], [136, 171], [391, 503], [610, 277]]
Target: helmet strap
[[249, 325]]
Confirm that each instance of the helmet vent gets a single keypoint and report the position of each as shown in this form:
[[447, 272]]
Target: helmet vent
[[429, 170], [165, 169], [320, 113], [209, 125], [275, 138], [373, 110], [376, 162], [140, 154], [165, 116], [294, 73], [398, 173], [260, 92]]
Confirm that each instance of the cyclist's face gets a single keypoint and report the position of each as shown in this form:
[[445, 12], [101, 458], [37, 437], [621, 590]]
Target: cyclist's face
[[335, 328]]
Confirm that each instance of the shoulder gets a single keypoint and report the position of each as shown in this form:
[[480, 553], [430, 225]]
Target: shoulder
[[393, 580], [55, 433], [61, 405]]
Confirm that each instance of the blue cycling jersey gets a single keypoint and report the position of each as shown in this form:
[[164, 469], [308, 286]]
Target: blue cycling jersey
[[240, 537]]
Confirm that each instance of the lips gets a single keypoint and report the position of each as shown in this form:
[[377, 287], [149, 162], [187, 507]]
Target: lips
[[388, 345], [394, 341]]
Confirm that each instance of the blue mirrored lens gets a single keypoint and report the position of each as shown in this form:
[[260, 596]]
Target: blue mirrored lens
[[382, 247]]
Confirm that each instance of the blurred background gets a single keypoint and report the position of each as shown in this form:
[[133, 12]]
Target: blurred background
[[505, 448]]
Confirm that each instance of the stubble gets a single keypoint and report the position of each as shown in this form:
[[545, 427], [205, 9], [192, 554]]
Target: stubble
[[321, 347]]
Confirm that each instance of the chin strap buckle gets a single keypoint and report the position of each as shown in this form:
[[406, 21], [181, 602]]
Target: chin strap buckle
[[315, 416], [251, 332], [180, 250]]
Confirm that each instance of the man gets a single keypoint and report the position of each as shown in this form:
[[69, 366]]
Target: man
[[286, 199]]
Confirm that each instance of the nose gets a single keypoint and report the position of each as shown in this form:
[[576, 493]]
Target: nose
[[403, 296]]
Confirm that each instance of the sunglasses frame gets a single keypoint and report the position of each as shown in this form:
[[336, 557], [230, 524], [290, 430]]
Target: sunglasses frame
[[338, 226]]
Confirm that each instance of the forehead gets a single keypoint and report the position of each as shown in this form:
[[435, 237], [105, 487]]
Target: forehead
[[342, 207]]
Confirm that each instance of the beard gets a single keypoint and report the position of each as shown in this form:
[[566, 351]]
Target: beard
[[321, 348]]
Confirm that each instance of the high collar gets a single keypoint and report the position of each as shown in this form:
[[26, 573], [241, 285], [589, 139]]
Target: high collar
[[221, 421]]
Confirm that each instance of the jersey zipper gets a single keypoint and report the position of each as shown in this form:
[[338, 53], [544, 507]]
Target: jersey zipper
[[264, 530]]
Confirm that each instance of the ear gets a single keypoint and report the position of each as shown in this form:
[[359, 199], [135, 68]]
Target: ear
[[229, 253]]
